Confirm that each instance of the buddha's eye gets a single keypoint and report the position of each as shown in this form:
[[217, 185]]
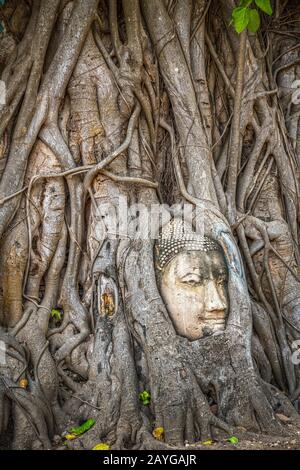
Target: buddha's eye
[[192, 280], [191, 283]]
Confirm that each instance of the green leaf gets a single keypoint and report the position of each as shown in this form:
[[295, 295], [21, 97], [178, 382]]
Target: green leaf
[[55, 314], [145, 397], [82, 428], [2, 2], [265, 6], [240, 17], [233, 440], [254, 21], [245, 3], [236, 12]]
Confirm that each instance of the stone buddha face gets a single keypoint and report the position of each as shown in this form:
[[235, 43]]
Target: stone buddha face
[[192, 277]]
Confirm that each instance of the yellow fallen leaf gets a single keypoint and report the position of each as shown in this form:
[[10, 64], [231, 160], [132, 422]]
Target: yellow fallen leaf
[[101, 446], [69, 437], [23, 383], [207, 443], [158, 433]]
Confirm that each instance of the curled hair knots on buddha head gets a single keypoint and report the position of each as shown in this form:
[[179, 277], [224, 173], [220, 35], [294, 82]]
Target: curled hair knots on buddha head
[[178, 236]]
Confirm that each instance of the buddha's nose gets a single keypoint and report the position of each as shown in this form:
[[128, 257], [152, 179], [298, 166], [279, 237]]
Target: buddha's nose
[[213, 299]]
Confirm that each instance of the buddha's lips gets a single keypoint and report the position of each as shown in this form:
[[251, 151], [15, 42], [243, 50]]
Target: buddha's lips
[[216, 321], [216, 318]]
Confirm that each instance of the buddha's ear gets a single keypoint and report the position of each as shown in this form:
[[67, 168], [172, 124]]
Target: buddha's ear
[[238, 295], [231, 254]]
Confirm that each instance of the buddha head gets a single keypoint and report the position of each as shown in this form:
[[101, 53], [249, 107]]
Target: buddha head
[[192, 277]]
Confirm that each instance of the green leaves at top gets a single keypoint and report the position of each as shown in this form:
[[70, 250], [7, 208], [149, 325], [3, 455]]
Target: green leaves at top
[[240, 18], [265, 6], [244, 16], [254, 21], [245, 3]]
